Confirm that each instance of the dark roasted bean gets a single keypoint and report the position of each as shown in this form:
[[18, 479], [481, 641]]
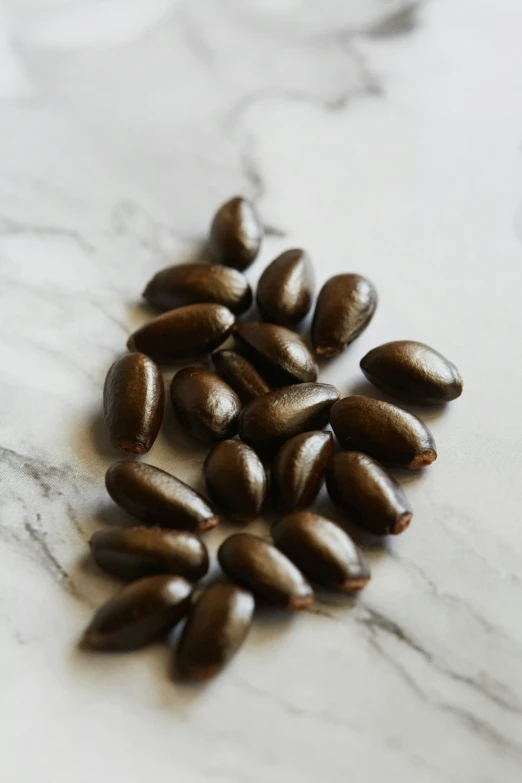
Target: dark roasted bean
[[185, 333], [412, 372], [260, 567], [285, 289], [215, 630], [279, 354], [345, 307], [139, 614], [205, 404], [239, 373], [235, 234], [322, 551], [186, 284], [236, 480], [298, 470], [387, 432], [157, 498], [135, 552], [366, 493], [268, 422], [133, 403]]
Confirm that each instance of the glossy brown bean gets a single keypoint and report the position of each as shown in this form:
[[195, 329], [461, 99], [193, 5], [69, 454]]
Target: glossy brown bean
[[216, 628], [279, 354], [236, 481], [325, 554], [412, 372], [285, 289], [139, 614], [258, 566], [135, 552], [298, 470], [240, 374], [366, 493], [187, 284], [236, 234], [204, 404], [186, 333], [133, 403], [157, 498], [345, 307], [385, 431], [268, 422]]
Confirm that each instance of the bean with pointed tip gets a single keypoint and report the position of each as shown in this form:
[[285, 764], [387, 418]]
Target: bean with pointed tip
[[133, 403], [325, 554], [279, 354], [204, 404], [298, 470], [345, 306], [216, 628], [135, 552], [385, 431], [186, 333], [236, 481], [412, 372], [240, 374], [268, 422], [285, 289], [236, 234], [139, 614], [258, 566], [366, 494], [158, 498], [187, 284]]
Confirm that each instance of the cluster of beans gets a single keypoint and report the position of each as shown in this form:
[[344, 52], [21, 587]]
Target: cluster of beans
[[264, 390]]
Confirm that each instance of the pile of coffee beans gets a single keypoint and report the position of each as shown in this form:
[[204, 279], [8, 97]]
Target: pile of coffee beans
[[262, 412]]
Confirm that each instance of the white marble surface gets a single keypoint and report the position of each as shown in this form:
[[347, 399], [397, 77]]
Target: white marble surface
[[385, 137]]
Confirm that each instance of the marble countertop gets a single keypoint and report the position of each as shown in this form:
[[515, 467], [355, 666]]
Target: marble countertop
[[385, 137]]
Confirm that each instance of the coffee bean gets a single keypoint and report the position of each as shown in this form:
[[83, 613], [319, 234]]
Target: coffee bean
[[157, 498], [366, 493], [187, 284], [322, 551], [235, 234], [268, 422], [298, 470], [240, 374], [186, 333], [385, 431], [412, 372], [279, 354], [133, 403], [236, 481], [135, 552], [260, 567], [285, 289], [216, 628], [345, 306], [205, 404], [139, 614]]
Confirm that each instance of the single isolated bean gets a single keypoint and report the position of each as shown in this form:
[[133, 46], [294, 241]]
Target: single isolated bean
[[216, 628], [236, 481], [139, 614], [240, 374], [324, 553], [298, 470], [133, 403], [385, 431], [278, 353], [135, 552], [412, 372], [366, 494], [158, 498], [258, 566], [345, 306], [285, 289], [236, 234], [204, 404]]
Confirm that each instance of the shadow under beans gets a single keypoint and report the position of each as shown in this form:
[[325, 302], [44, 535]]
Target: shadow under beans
[[427, 413], [99, 439]]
